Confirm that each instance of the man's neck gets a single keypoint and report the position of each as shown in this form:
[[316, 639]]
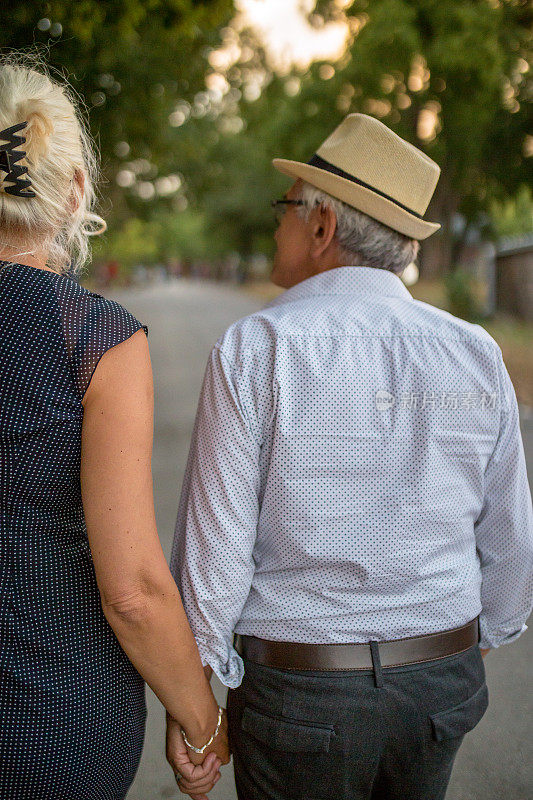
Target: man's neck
[[318, 269]]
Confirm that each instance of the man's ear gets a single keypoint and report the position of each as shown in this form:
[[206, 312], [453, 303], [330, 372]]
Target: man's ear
[[323, 226]]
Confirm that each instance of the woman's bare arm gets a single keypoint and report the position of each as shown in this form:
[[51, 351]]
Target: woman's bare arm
[[139, 596]]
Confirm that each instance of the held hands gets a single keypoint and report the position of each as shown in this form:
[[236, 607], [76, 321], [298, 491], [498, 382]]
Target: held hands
[[196, 773]]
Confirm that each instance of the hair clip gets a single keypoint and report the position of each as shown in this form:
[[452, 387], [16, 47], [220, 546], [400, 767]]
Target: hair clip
[[8, 162]]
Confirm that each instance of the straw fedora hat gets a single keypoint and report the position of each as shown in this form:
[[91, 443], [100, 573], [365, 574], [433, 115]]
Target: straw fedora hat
[[367, 166]]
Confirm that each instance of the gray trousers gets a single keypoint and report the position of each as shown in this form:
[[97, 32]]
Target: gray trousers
[[381, 734]]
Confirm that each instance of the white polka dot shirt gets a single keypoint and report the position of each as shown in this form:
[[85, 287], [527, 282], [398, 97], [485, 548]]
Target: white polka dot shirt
[[356, 472]]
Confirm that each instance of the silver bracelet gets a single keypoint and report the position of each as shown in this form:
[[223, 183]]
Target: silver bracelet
[[202, 749]]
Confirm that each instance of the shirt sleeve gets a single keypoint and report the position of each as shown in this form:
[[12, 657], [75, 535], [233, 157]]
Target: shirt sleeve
[[504, 530], [101, 324], [212, 559]]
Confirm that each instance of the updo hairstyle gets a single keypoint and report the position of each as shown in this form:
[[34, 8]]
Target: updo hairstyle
[[62, 168]]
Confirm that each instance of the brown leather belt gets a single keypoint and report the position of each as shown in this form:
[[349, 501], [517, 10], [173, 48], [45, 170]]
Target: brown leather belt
[[394, 653]]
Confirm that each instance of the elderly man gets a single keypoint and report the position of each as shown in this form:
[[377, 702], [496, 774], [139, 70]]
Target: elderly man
[[356, 507]]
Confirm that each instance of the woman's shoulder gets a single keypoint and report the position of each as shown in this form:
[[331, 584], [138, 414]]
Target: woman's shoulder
[[93, 325], [71, 287], [95, 310]]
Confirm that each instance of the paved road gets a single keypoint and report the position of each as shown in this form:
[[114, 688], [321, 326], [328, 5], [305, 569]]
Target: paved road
[[185, 319]]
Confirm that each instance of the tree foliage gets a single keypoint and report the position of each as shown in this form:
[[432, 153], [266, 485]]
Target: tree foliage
[[451, 76], [130, 61]]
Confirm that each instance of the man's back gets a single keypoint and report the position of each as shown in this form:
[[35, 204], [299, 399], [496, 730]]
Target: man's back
[[376, 419], [356, 497]]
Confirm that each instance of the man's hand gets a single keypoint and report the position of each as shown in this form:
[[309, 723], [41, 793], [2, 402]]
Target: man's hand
[[484, 652], [196, 773]]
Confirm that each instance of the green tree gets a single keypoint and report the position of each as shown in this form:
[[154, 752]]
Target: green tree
[[131, 62], [451, 76], [513, 217]]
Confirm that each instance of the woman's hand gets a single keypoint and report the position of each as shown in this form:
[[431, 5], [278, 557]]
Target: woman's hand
[[196, 773]]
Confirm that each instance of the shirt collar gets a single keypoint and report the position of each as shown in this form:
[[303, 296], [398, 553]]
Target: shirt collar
[[346, 281]]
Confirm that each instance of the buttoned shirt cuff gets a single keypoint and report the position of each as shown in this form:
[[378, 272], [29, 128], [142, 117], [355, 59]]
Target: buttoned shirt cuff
[[225, 662], [490, 638]]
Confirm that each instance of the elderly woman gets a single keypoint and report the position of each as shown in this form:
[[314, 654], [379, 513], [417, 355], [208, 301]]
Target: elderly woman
[[88, 606]]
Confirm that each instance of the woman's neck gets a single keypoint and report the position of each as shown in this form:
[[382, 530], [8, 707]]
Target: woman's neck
[[18, 256]]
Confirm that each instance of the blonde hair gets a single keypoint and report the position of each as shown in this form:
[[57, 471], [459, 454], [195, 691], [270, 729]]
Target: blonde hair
[[62, 168]]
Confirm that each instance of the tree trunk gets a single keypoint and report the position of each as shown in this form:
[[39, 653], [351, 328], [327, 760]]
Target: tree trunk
[[437, 252]]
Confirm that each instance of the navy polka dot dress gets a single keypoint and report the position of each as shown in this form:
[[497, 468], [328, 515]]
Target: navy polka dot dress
[[72, 706]]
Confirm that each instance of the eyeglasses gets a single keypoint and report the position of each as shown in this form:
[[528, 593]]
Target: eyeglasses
[[279, 207]]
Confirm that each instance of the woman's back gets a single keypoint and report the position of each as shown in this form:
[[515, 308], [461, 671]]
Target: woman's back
[[87, 601], [64, 679]]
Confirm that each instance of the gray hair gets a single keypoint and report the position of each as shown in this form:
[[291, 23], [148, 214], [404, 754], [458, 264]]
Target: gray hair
[[362, 240]]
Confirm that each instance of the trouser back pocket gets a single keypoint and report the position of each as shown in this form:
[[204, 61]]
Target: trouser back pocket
[[461, 718], [288, 735]]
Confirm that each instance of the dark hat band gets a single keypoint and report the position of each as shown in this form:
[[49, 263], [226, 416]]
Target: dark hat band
[[321, 163]]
